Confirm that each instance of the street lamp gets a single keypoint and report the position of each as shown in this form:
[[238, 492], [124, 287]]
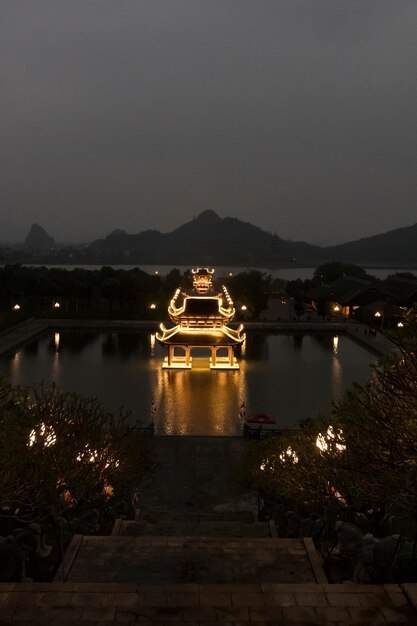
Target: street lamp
[[152, 306], [400, 325], [380, 315], [16, 307]]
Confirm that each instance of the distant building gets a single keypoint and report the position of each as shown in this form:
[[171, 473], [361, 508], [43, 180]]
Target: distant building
[[201, 320]]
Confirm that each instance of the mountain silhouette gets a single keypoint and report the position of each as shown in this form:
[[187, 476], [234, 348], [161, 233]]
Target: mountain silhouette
[[38, 239], [210, 239]]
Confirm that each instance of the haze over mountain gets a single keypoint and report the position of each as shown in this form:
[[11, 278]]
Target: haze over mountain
[[212, 239], [38, 239]]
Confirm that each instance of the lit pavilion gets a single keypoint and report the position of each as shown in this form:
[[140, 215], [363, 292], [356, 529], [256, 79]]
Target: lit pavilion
[[201, 320]]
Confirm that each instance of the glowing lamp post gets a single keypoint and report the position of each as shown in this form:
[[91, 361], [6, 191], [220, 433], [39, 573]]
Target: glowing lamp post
[[16, 307], [152, 306], [57, 305], [380, 316], [400, 325]]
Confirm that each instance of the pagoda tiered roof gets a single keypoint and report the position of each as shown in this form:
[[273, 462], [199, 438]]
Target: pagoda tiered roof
[[213, 309], [201, 319], [201, 337]]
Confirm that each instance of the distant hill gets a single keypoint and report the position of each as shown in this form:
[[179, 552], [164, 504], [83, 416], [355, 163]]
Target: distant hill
[[206, 239], [38, 239], [210, 239], [396, 247]]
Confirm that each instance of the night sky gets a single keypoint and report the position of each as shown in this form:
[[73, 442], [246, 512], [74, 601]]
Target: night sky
[[296, 115]]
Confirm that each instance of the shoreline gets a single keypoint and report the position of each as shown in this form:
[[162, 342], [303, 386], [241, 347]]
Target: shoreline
[[16, 336]]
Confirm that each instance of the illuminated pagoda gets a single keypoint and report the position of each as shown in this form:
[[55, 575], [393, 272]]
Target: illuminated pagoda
[[201, 321]]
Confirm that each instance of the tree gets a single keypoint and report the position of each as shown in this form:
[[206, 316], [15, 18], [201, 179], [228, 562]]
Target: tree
[[252, 288], [329, 272], [52, 443], [365, 449]]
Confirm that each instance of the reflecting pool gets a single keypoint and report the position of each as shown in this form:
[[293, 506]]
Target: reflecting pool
[[290, 376]]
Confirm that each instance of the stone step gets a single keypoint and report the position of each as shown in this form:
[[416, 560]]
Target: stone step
[[191, 529], [155, 514], [257, 604], [167, 522], [176, 559]]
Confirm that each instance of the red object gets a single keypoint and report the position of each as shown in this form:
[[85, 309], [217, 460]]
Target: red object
[[261, 418]]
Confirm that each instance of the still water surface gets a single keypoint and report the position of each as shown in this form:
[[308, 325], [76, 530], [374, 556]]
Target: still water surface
[[288, 273], [290, 376]]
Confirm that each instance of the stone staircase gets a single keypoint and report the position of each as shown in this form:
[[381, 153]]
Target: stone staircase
[[164, 522], [195, 556], [231, 578], [204, 547]]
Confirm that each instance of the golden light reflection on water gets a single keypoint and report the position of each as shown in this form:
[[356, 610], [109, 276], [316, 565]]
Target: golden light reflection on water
[[16, 363], [152, 342], [198, 401], [336, 370]]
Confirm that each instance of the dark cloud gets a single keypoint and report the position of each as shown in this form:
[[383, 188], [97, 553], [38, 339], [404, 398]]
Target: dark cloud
[[296, 115]]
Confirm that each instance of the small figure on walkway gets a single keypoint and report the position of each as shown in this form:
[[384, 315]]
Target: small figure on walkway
[[242, 411], [135, 499], [153, 409]]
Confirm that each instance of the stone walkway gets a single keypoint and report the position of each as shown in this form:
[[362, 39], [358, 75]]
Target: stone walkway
[[197, 473], [16, 336], [85, 604], [205, 560]]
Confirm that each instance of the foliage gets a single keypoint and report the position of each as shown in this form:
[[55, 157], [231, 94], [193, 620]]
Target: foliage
[[251, 288], [367, 451], [329, 272], [55, 445]]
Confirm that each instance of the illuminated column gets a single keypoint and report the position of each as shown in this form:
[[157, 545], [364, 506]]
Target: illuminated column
[[187, 355], [230, 351], [170, 354], [213, 356]]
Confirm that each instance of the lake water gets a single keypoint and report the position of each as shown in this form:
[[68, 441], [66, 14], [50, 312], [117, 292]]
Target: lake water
[[290, 376], [289, 273]]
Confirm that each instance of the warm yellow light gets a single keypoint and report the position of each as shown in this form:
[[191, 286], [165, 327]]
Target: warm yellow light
[[335, 344], [243, 307], [288, 455], [16, 307], [336, 308], [331, 438], [56, 305], [42, 434], [377, 314], [56, 341], [230, 273], [152, 306], [156, 272], [400, 324]]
